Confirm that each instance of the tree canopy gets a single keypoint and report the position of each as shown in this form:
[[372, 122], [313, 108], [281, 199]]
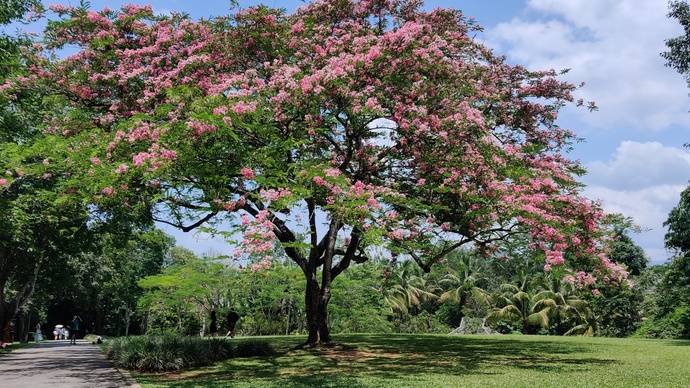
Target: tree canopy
[[344, 126]]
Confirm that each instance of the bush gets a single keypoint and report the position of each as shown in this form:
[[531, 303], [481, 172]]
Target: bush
[[168, 353], [673, 325]]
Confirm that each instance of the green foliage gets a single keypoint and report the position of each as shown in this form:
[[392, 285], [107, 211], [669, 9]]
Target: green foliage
[[667, 297], [667, 300], [620, 247], [167, 353], [357, 305], [676, 324], [617, 311], [678, 224], [678, 54]]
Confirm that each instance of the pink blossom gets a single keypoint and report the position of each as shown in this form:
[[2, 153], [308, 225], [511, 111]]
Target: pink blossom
[[397, 234], [220, 110], [332, 172], [141, 158], [274, 195], [200, 128], [391, 214], [108, 191], [554, 257], [373, 203], [3, 182], [247, 173], [168, 154], [244, 107], [121, 169], [320, 181]]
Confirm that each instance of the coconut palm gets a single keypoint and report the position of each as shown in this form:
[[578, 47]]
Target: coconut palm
[[406, 288], [464, 280], [567, 307], [516, 304]]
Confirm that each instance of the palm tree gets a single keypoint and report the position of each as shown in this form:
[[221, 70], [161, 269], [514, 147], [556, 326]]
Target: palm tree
[[464, 280], [406, 289], [517, 305], [567, 308]]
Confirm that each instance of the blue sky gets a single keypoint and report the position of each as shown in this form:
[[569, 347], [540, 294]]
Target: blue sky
[[633, 144]]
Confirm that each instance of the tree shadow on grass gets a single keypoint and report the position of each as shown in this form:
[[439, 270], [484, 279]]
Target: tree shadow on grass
[[394, 357], [679, 342]]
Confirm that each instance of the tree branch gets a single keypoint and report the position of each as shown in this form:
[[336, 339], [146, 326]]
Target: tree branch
[[188, 227]]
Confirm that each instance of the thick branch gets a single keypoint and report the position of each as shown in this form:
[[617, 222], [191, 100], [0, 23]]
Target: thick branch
[[350, 254], [188, 227]]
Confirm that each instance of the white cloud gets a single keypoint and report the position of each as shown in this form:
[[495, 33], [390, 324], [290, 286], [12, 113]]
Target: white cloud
[[649, 207], [637, 165], [611, 45], [642, 180]]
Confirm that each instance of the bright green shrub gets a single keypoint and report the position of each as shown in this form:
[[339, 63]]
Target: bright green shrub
[[166, 352]]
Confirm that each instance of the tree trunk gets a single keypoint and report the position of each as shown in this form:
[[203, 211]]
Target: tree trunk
[[287, 325], [316, 303], [9, 308], [128, 315]]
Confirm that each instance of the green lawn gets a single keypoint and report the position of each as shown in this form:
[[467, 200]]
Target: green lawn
[[365, 360]]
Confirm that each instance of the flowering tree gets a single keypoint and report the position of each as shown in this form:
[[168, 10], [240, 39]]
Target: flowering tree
[[345, 126]]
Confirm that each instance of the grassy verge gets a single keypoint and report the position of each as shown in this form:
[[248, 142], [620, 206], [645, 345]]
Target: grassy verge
[[449, 361], [15, 346]]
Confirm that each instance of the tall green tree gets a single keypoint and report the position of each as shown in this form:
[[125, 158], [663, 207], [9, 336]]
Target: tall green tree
[[620, 246], [377, 124], [678, 54]]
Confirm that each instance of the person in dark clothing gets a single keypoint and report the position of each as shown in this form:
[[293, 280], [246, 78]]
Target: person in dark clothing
[[214, 324], [231, 320], [76, 326]]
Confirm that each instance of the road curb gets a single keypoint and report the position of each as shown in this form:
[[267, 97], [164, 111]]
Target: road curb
[[127, 377]]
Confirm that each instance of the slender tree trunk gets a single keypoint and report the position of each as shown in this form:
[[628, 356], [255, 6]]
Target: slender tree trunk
[[128, 315], [9, 308], [287, 325]]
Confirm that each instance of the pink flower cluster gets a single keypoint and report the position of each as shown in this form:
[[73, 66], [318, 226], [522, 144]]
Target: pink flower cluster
[[581, 279], [200, 128], [271, 195], [247, 173]]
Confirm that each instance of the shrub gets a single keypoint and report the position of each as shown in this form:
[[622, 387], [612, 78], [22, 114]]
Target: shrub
[[673, 325], [166, 353]]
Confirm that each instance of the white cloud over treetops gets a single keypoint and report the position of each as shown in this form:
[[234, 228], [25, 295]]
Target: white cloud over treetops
[[611, 45]]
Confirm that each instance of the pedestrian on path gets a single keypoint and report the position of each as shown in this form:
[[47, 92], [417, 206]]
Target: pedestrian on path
[[76, 325], [39, 334]]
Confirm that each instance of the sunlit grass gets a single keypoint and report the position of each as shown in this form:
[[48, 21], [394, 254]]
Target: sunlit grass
[[377, 360]]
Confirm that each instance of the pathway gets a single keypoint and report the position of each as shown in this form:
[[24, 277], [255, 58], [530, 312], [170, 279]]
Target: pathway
[[57, 364]]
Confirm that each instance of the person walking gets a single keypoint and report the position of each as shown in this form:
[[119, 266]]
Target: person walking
[[214, 324], [76, 326], [38, 336], [231, 319]]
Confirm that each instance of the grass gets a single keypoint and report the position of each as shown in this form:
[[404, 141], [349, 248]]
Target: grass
[[376, 360], [15, 346]]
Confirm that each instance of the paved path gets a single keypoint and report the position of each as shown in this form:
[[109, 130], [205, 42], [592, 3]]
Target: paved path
[[57, 364]]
